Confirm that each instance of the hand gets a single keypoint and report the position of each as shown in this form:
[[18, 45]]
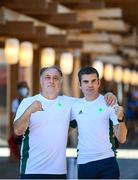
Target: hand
[[110, 99], [119, 110], [35, 106]]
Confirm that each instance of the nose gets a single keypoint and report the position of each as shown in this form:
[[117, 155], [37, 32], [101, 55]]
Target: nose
[[90, 84], [52, 80]]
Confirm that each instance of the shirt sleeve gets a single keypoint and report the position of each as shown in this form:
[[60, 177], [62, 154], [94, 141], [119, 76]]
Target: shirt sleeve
[[113, 116], [22, 107]]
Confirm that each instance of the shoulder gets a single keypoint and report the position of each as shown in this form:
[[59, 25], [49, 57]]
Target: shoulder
[[101, 100], [78, 102], [68, 99], [29, 100]]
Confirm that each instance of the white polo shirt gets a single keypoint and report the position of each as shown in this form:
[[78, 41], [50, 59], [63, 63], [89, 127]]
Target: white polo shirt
[[44, 145], [93, 129]]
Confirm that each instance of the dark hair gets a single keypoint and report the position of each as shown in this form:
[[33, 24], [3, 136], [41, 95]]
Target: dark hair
[[87, 70], [51, 67], [22, 84]]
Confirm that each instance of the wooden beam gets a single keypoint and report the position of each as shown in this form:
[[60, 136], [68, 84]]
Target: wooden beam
[[131, 52], [90, 15], [20, 26], [75, 44], [99, 48], [111, 25], [82, 4], [26, 31], [53, 41], [113, 59], [37, 11], [35, 69], [25, 4], [50, 8], [96, 37], [40, 31], [80, 26], [60, 44], [12, 82], [130, 41], [58, 19], [10, 15], [22, 30], [129, 8]]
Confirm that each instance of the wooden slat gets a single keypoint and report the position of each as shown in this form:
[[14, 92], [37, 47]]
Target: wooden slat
[[28, 33], [40, 31], [96, 37], [44, 10], [131, 52], [89, 15], [59, 19], [53, 41], [129, 8], [89, 37], [83, 4], [113, 59], [75, 44], [37, 11], [111, 25], [80, 26], [61, 44], [130, 41], [10, 15], [21, 27], [99, 48], [25, 4]]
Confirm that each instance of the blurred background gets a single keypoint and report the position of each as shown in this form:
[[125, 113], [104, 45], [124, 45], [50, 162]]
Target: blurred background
[[71, 34]]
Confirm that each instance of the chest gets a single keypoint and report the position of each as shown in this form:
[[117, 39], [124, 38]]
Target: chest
[[92, 114], [55, 114]]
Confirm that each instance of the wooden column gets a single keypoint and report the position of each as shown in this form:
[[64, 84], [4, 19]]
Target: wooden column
[[12, 82], [35, 72], [75, 85]]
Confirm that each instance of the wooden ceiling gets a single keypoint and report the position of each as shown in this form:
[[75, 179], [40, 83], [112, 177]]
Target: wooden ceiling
[[96, 27]]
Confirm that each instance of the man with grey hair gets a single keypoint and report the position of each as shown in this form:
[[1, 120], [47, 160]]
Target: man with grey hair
[[44, 121]]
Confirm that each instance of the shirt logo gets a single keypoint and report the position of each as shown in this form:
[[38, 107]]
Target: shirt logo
[[80, 112], [100, 109], [60, 105]]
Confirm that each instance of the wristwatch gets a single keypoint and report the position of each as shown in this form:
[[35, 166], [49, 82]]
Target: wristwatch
[[120, 121]]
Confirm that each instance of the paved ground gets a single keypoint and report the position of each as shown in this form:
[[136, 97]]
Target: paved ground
[[128, 168], [128, 165]]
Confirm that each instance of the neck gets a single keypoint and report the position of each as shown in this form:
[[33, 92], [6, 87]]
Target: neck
[[49, 96], [91, 98]]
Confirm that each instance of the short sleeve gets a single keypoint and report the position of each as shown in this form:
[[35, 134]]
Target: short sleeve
[[22, 107]]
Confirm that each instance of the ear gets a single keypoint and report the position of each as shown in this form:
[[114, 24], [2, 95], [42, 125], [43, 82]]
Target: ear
[[61, 80], [99, 82], [41, 81], [79, 84]]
